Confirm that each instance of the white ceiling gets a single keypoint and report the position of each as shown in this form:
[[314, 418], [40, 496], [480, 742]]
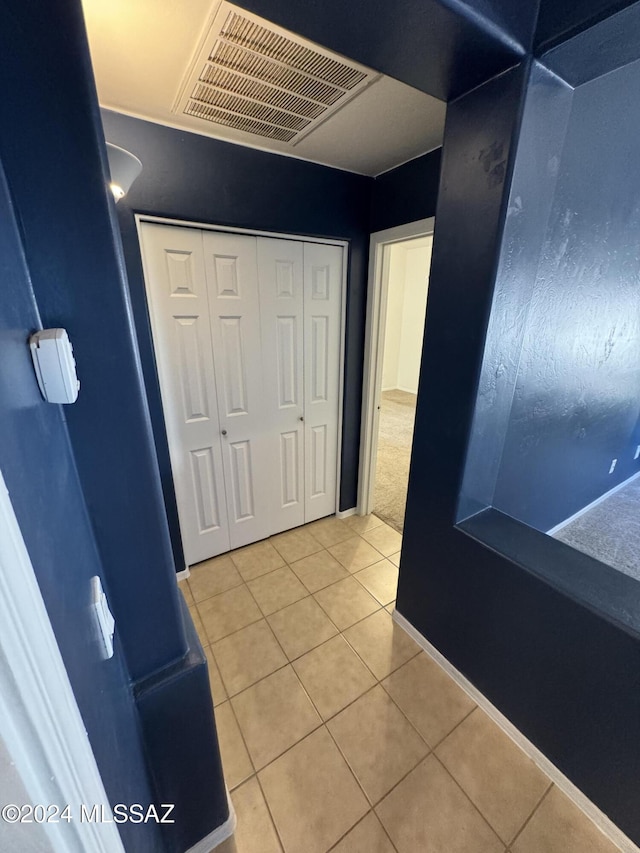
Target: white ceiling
[[142, 49]]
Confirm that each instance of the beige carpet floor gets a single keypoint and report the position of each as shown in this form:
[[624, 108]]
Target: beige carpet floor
[[397, 414]]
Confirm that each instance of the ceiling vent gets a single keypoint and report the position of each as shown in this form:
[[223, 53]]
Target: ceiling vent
[[254, 77]]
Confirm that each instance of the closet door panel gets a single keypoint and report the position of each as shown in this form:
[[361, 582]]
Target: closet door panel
[[232, 278], [280, 265], [177, 293], [322, 316]]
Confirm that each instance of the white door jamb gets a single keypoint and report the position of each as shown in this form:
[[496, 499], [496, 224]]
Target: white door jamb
[[374, 348], [40, 723]]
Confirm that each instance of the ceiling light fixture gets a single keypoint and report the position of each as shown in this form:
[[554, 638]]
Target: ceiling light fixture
[[124, 168]]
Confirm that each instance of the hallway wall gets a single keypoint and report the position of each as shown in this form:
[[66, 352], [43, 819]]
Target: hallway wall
[[193, 178], [407, 193], [575, 405], [406, 311], [39, 469]]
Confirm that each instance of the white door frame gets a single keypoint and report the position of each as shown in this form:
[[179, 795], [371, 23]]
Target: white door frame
[[377, 292], [207, 226], [40, 723]]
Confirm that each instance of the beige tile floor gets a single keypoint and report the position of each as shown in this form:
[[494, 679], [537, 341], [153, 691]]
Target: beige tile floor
[[337, 732]]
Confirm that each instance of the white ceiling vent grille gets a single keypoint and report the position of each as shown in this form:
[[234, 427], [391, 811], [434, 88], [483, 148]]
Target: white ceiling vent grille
[[254, 77]]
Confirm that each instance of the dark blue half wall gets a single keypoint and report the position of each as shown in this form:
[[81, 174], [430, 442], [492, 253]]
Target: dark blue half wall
[[193, 178], [562, 672], [176, 709]]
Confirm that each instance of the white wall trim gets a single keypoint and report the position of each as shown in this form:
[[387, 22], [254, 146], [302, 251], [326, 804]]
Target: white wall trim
[[343, 327], [39, 719], [184, 574], [220, 834], [604, 824], [585, 509], [373, 349]]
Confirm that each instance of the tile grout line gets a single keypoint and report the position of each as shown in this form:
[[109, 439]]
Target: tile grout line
[[290, 604], [535, 809], [264, 615], [368, 590], [265, 619], [467, 797], [457, 726], [342, 630], [288, 565], [246, 747], [323, 722], [374, 805], [395, 785], [268, 807], [362, 659], [364, 817], [255, 776], [433, 752], [411, 723]]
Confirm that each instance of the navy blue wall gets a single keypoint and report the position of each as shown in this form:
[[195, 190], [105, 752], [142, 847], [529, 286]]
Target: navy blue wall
[[54, 162], [39, 470], [531, 195], [561, 19], [191, 177], [575, 400], [407, 193], [443, 47]]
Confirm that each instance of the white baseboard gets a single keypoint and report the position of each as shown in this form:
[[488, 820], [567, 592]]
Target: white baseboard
[[184, 574], [576, 515], [599, 818], [346, 513], [220, 834]]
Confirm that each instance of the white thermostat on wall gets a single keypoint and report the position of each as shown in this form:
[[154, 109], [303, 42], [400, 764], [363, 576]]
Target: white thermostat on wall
[[55, 365]]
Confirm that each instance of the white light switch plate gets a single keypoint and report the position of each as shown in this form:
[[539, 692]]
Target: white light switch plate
[[103, 616]]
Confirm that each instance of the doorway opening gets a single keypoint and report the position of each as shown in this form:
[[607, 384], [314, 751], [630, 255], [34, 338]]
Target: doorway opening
[[399, 264]]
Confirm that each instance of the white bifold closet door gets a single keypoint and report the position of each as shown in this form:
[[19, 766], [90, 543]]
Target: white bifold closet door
[[232, 278], [179, 309], [322, 288], [282, 321], [247, 339]]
